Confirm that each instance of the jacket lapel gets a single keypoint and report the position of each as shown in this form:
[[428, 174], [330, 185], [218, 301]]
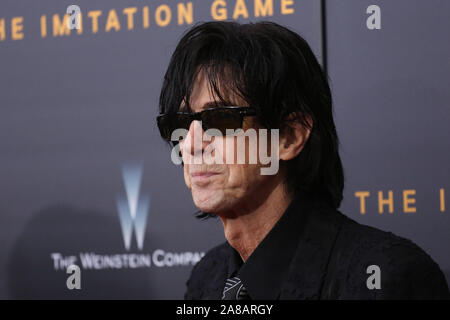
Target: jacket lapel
[[309, 265], [218, 276]]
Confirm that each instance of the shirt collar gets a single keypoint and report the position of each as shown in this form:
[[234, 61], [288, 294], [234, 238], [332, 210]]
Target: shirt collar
[[234, 263], [267, 267]]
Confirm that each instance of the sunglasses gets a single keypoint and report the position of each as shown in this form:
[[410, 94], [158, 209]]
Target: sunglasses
[[220, 118]]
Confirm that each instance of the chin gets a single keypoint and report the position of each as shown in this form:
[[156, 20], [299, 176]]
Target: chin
[[211, 202]]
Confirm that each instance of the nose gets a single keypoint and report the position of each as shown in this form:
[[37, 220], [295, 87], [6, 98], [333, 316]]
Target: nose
[[194, 144]]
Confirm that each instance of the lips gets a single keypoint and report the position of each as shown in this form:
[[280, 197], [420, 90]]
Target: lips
[[203, 174]]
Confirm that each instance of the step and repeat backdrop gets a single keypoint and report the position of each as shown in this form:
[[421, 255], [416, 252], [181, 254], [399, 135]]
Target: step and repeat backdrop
[[87, 181]]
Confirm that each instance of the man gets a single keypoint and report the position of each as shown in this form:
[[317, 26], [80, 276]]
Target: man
[[285, 237]]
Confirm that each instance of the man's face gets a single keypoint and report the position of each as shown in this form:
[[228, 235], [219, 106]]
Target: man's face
[[221, 189]]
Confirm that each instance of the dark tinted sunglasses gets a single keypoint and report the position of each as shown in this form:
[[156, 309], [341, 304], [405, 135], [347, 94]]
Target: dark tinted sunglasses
[[221, 118]]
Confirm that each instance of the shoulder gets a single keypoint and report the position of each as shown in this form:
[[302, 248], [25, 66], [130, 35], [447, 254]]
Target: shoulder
[[405, 270], [209, 271]]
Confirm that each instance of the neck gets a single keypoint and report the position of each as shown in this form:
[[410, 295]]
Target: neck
[[244, 232]]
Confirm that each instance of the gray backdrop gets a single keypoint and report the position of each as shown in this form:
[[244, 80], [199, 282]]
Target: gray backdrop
[[77, 110]]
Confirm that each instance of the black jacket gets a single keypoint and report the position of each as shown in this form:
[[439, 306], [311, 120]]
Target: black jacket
[[331, 260]]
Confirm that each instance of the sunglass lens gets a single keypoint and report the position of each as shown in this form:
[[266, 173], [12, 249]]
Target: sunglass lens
[[167, 125], [222, 119]]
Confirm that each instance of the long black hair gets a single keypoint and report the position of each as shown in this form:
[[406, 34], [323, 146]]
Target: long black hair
[[274, 70]]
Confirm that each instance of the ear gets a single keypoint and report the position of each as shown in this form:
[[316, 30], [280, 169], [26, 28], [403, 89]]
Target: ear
[[294, 136]]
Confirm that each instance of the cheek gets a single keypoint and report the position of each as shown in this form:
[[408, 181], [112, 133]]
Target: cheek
[[243, 176]]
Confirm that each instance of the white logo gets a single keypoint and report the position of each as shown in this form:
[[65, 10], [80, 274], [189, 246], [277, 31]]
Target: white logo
[[132, 210]]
